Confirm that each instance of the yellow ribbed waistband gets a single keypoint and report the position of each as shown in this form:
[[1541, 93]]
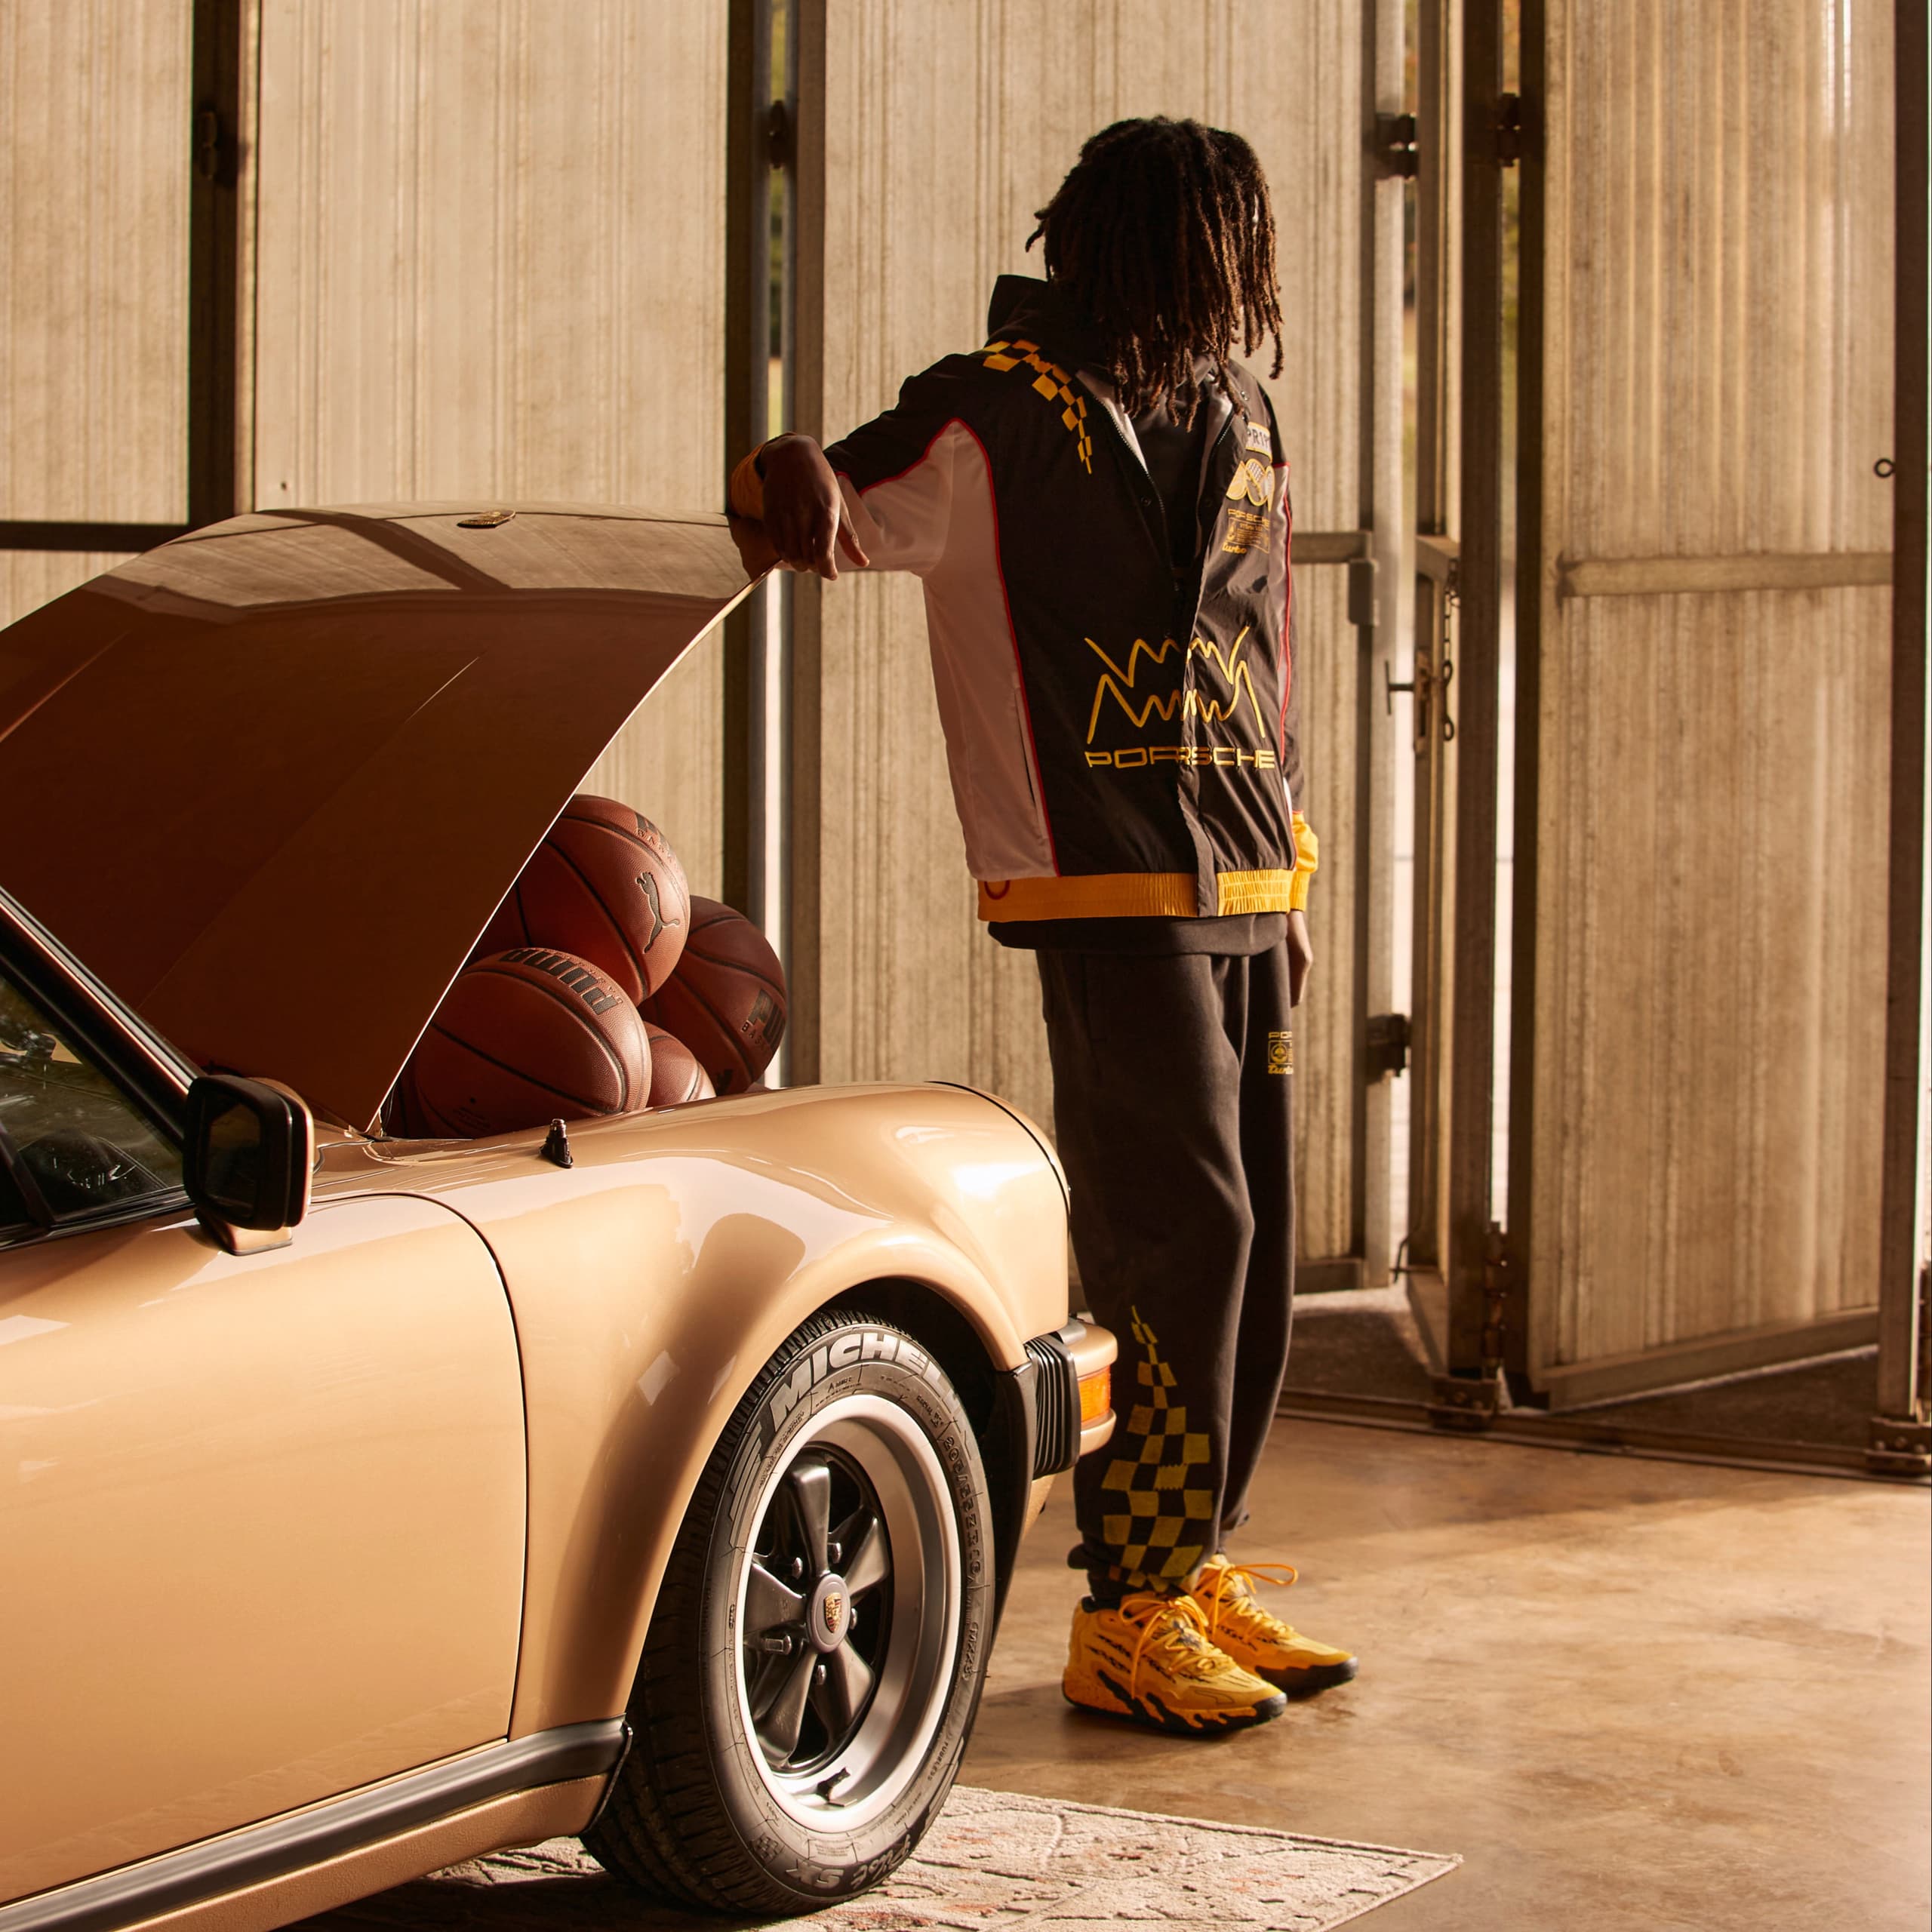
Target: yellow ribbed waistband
[[1131, 896]]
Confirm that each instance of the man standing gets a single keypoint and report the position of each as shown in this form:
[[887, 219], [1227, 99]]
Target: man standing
[[1096, 503]]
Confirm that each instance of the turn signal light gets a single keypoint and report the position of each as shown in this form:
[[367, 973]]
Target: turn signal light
[[1096, 1396]]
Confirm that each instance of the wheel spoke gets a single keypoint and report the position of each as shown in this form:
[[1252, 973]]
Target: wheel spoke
[[778, 1731], [866, 1563], [765, 1678], [768, 1603], [848, 1683], [810, 1485]]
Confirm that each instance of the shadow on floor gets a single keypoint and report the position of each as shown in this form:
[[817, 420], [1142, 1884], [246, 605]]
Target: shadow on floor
[[566, 1902], [1365, 1342]]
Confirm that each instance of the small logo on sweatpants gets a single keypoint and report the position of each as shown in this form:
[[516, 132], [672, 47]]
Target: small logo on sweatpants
[[1280, 1053]]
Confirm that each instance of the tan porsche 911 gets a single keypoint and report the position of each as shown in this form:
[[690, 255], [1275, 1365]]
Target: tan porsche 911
[[366, 1503]]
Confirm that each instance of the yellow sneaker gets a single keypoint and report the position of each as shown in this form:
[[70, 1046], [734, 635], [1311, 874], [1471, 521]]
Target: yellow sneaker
[[1236, 1621], [1150, 1660]]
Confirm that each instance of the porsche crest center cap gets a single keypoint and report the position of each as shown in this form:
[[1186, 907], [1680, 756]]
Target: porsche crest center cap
[[830, 1615]]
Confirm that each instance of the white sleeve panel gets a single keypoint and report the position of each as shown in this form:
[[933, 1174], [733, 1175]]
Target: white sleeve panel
[[937, 520], [901, 523], [976, 671]]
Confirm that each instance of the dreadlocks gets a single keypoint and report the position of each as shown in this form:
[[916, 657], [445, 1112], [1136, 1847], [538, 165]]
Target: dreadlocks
[[1162, 233]]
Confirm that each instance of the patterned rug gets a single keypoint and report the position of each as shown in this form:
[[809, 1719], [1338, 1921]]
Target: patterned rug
[[993, 1859]]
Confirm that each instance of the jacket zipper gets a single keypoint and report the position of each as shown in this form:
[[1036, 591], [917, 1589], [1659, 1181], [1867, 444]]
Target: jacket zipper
[[1146, 499]]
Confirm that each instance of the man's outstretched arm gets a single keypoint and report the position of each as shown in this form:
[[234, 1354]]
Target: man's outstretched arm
[[881, 497], [787, 485]]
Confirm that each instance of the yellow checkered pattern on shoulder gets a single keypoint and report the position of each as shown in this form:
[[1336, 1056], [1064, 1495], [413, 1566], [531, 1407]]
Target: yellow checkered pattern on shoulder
[[1052, 382], [1156, 1456]]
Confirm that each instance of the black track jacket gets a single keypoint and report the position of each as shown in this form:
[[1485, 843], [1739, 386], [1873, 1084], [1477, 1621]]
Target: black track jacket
[[1122, 740]]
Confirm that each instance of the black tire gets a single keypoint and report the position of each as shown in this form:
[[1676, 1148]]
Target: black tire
[[852, 1427]]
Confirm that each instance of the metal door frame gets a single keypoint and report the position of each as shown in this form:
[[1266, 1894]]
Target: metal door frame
[[217, 175], [1901, 1440], [1436, 588], [760, 147], [1374, 555], [1470, 1274], [1469, 132]]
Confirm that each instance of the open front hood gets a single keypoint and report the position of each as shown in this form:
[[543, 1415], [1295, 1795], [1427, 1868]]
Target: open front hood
[[270, 780]]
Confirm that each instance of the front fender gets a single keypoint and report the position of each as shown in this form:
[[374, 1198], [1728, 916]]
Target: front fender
[[652, 1281]]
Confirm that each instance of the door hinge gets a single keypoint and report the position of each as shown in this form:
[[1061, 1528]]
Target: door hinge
[[1365, 601], [1902, 1445], [1509, 129], [1474, 1401], [210, 146], [778, 146], [1467, 1402], [1495, 1286], [1899, 1448], [1395, 152], [1388, 1045]]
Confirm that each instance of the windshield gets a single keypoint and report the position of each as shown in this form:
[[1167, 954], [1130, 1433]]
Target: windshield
[[71, 1143]]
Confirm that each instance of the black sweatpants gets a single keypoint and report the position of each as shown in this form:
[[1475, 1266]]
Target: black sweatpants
[[1172, 1084]]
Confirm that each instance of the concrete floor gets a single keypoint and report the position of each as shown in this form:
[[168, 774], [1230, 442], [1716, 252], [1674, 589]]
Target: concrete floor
[[1635, 1697]]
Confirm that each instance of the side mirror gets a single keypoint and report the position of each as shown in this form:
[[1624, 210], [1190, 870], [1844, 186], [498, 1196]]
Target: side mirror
[[248, 1161]]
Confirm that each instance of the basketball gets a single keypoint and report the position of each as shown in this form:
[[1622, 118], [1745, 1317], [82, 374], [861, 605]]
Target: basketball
[[605, 885], [726, 1002], [675, 1075], [529, 1035]]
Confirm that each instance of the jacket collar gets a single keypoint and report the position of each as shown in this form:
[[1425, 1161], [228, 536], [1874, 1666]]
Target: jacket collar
[[1022, 305]]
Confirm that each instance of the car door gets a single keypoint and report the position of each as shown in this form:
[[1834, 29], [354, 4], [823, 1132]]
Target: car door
[[262, 1515]]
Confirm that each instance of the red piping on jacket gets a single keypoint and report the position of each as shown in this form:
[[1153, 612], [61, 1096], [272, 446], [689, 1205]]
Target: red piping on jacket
[[1288, 608]]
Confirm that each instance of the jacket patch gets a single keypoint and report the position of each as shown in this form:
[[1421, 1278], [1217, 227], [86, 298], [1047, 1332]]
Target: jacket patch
[[1247, 530], [1256, 481], [1052, 381], [1253, 484]]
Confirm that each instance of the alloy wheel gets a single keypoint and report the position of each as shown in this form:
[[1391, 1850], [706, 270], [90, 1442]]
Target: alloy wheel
[[848, 1612]]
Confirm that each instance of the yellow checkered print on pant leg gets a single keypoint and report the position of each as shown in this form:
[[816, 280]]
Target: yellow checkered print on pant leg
[[1149, 1471]]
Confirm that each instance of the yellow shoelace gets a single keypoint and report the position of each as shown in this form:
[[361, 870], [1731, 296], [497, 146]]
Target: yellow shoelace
[[1176, 1623], [1241, 1597]]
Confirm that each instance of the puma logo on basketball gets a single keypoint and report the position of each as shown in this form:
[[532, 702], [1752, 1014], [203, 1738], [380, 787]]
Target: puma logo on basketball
[[589, 986], [648, 885]]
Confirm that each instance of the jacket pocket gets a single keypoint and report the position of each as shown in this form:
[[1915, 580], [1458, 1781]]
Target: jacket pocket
[[1023, 743]]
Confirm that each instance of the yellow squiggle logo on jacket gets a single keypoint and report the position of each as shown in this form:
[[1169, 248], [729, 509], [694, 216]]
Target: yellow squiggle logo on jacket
[[1117, 682]]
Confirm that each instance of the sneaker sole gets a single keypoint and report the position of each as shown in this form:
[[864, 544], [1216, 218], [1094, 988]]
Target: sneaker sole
[[1150, 1714], [1313, 1681]]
